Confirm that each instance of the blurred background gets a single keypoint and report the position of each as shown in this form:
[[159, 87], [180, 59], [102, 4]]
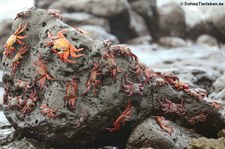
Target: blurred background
[[168, 35]]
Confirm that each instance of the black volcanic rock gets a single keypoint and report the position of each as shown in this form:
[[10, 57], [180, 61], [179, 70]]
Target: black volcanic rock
[[88, 122], [149, 134]]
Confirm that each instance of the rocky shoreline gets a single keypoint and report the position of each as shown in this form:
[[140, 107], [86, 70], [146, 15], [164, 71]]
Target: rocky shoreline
[[159, 104]]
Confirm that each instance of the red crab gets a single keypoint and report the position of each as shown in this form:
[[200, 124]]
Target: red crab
[[81, 31], [170, 107], [23, 84], [71, 92], [123, 50], [13, 39], [159, 81], [202, 92], [107, 42], [201, 117], [180, 85], [46, 110], [55, 13], [215, 105], [30, 103], [192, 92], [111, 64], [81, 120], [41, 70], [62, 47], [93, 82], [142, 69], [25, 14], [139, 68], [15, 102], [164, 124], [122, 118], [131, 88], [18, 57], [170, 78]]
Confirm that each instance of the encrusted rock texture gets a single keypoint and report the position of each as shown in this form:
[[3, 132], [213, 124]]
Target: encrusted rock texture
[[98, 99]]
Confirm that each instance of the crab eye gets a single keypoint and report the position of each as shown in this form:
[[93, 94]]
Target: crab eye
[[5, 64]]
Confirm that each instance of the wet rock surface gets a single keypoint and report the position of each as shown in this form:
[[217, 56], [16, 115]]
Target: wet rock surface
[[7, 133], [25, 143], [171, 20], [96, 7], [88, 125], [149, 134], [212, 24], [147, 9]]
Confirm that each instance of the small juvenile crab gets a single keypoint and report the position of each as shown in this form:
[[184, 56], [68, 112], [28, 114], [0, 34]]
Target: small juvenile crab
[[201, 117], [22, 84], [195, 93], [180, 85], [164, 124], [139, 68], [202, 92], [131, 88], [122, 118], [142, 69], [15, 102], [111, 64], [30, 103], [46, 110], [170, 78], [215, 105], [159, 81], [81, 31], [71, 92], [18, 57], [41, 70], [62, 47], [93, 82], [24, 14], [170, 107], [13, 39], [82, 119], [123, 50], [55, 13]]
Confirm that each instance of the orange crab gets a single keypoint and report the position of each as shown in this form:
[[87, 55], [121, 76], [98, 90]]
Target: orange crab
[[122, 118], [15, 38], [18, 56], [41, 70], [62, 47], [71, 92]]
